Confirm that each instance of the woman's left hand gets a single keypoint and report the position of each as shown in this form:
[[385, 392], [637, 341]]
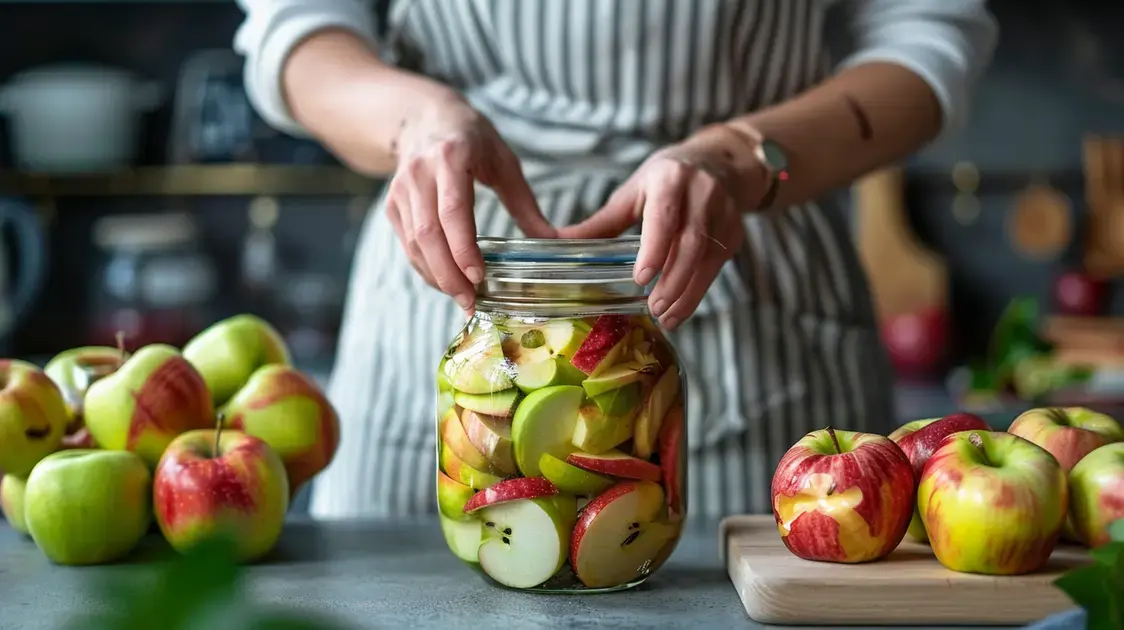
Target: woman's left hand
[[691, 212]]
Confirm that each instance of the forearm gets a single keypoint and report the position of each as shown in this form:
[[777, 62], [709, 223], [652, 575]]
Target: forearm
[[344, 95]]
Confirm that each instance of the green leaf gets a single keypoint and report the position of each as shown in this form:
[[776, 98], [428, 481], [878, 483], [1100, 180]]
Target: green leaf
[[1099, 588], [1116, 530]]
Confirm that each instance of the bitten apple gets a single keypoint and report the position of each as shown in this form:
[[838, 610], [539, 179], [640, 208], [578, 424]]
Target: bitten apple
[[240, 490], [289, 411], [843, 496], [992, 503], [1096, 493], [33, 417], [1067, 433], [228, 352], [920, 439], [155, 396]]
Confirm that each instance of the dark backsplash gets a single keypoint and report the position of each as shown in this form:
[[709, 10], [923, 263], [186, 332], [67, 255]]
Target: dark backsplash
[[1048, 86]]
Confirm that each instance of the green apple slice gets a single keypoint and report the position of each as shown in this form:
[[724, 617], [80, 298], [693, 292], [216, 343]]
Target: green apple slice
[[525, 542], [614, 378], [499, 404], [478, 366], [443, 384], [544, 423], [457, 470], [492, 437], [531, 344], [595, 432], [651, 416], [624, 401], [548, 373], [451, 497], [463, 537], [571, 479]]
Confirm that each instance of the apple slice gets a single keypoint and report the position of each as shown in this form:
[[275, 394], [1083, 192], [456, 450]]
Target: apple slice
[[525, 542], [455, 438], [616, 464], [596, 432], [499, 404], [492, 437], [673, 462], [570, 478], [463, 537], [544, 423], [478, 366], [624, 401], [613, 378], [567, 507], [462, 472], [605, 342], [536, 343], [452, 497], [617, 538], [511, 490], [548, 373], [659, 400]]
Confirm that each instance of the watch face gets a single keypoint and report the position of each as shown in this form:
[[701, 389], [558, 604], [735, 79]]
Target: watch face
[[774, 155]]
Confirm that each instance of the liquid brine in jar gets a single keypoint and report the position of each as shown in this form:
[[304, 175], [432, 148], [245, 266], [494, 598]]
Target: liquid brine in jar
[[561, 431]]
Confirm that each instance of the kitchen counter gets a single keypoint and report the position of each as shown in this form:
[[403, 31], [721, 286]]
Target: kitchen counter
[[382, 575]]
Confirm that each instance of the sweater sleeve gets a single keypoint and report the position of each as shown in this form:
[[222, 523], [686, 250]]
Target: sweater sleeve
[[948, 43], [270, 32]]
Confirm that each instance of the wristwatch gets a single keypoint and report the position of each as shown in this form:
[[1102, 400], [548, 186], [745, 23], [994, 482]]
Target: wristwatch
[[774, 159]]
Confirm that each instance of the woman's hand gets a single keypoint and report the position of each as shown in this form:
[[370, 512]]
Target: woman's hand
[[692, 223], [442, 151]]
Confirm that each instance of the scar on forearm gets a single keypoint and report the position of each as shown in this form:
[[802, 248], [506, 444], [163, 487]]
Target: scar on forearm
[[394, 141], [866, 132]]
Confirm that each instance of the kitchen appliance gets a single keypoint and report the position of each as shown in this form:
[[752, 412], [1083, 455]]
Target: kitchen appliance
[[76, 118], [23, 264], [908, 588]]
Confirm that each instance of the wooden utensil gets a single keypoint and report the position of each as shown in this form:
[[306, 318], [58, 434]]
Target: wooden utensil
[[1104, 193], [908, 588], [1039, 224]]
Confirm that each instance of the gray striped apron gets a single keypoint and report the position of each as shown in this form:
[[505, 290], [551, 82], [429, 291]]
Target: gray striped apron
[[583, 90]]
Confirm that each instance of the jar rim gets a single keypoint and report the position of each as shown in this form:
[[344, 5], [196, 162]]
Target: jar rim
[[597, 251]]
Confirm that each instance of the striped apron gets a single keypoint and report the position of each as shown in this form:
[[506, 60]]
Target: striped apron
[[783, 343]]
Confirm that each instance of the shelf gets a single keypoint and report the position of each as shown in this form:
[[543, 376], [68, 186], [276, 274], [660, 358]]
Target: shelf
[[195, 181]]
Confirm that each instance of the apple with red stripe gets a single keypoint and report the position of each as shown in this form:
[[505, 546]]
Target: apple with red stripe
[[993, 503], [213, 483], [1096, 493], [1069, 434], [33, 417], [920, 439], [153, 397], [843, 496], [289, 411]]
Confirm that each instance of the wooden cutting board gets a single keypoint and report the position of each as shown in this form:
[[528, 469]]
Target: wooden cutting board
[[908, 588]]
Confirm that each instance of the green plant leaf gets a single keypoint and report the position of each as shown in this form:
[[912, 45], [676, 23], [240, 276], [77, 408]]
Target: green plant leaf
[[1099, 588], [1116, 530]]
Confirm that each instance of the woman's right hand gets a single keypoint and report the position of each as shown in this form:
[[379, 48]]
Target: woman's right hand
[[442, 151]]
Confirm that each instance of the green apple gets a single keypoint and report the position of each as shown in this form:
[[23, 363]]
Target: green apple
[[33, 416], [544, 423], [660, 399], [74, 370], [459, 471], [477, 364], [525, 541], [492, 437], [88, 506], [571, 479], [12, 492], [548, 373], [530, 344], [155, 396], [463, 537], [239, 488], [288, 410], [597, 432], [228, 352], [624, 401], [614, 378], [500, 404], [1096, 493], [452, 496]]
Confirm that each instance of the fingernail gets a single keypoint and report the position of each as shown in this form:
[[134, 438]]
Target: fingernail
[[670, 323], [659, 307], [645, 276], [474, 274], [465, 300]]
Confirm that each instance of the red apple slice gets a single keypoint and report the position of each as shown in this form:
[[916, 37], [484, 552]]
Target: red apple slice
[[604, 344], [673, 462], [616, 464], [511, 490], [660, 399], [456, 440], [617, 539], [492, 437]]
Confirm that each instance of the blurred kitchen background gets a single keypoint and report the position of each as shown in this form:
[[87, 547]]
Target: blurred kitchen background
[[193, 209]]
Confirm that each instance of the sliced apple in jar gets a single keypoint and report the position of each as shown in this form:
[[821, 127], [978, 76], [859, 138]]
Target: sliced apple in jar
[[622, 402], [478, 366], [500, 404], [515, 489], [535, 343], [457, 470], [673, 462], [571, 479], [525, 542], [616, 464], [463, 537], [659, 400], [492, 437], [596, 432], [613, 378], [456, 440], [452, 496], [617, 537], [547, 373], [544, 423], [605, 343]]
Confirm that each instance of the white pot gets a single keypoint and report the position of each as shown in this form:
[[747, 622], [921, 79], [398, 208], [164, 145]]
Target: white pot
[[76, 118]]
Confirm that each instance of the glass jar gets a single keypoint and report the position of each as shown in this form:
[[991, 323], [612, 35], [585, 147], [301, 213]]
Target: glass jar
[[560, 422]]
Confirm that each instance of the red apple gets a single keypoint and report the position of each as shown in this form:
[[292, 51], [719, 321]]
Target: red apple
[[673, 462], [511, 490], [920, 439], [1096, 493], [1069, 434], [241, 489], [916, 342], [603, 344], [1077, 293], [616, 464], [843, 496]]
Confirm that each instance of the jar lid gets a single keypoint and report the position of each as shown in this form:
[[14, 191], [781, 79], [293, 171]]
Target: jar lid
[[600, 251]]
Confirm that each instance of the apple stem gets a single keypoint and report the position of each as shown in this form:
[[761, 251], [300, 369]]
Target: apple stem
[[218, 433], [835, 441], [975, 439], [120, 348]]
